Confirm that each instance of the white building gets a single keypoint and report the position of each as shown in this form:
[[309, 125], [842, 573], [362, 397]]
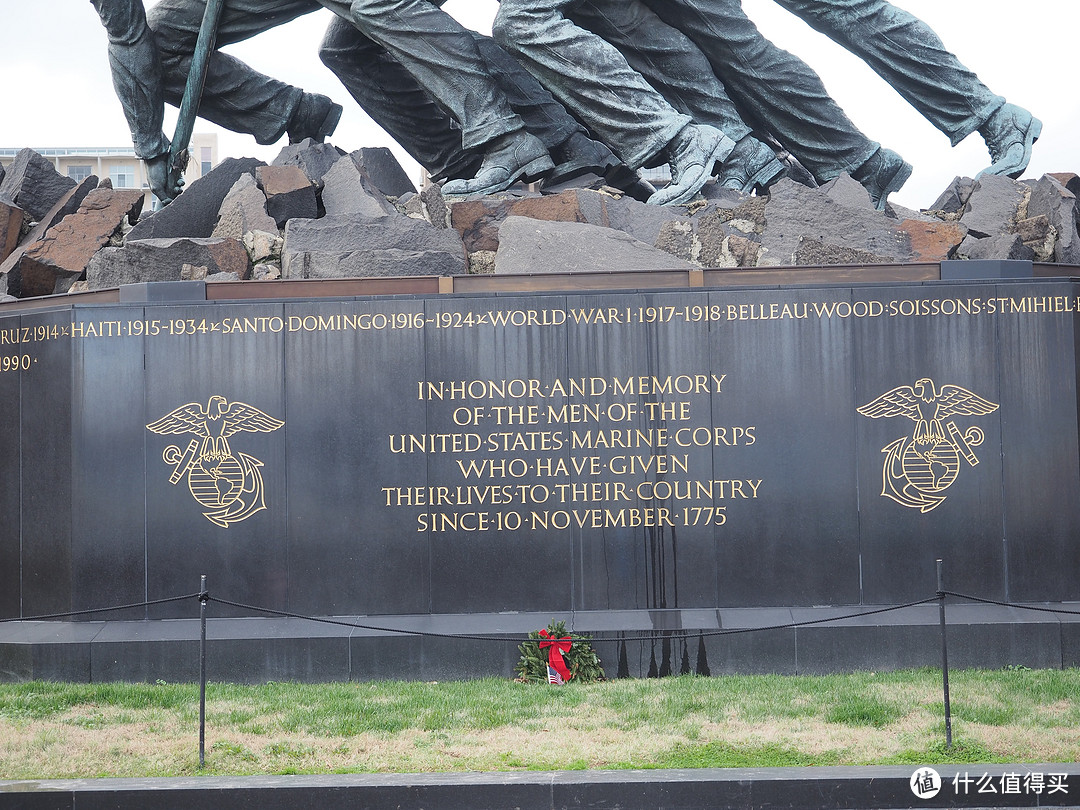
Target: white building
[[119, 163]]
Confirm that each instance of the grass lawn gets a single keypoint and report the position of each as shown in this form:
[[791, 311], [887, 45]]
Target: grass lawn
[[52, 730]]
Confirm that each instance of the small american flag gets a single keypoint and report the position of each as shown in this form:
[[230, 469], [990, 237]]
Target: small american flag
[[554, 677]]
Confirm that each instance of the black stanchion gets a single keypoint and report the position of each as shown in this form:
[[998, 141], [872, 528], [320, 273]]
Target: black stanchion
[[204, 597], [944, 656]]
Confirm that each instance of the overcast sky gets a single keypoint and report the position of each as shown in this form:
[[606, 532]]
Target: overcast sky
[[57, 89]]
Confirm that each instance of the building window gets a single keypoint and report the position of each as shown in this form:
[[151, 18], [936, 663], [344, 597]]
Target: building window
[[204, 160], [122, 176], [79, 173]]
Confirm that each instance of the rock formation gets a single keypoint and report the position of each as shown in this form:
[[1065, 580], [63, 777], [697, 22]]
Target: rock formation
[[318, 212]]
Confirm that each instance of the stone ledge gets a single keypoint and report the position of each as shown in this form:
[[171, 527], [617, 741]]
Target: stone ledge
[[869, 788]]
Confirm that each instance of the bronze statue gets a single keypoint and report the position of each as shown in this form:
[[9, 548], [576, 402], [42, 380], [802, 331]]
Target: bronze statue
[[910, 56], [440, 55], [390, 95], [136, 73], [775, 87], [687, 82]]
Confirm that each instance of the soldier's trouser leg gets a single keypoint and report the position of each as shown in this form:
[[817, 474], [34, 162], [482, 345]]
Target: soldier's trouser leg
[[544, 117], [235, 96], [443, 59], [780, 89], [666, 58], [909, 55], [136, 73], [390, 95], [590, 77]]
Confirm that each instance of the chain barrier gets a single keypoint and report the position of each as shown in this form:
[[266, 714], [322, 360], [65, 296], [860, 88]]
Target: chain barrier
[[204, 598], [94, 611], [671, 635]]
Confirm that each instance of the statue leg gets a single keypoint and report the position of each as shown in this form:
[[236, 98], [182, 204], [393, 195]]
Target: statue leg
[[909, 55], [590, 77], [136, 72], [672, 64], [544, 117], [235, 96], [779, 89], [572, 149], [443, 59], [390, 95], [665, 57], [593, 80]]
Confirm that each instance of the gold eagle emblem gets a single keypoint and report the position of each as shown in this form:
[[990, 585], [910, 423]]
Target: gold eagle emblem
[[916, 472], [229, 484]]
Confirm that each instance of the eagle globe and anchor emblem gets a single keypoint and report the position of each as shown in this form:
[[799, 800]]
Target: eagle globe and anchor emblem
[[229, 484], [917, 469]]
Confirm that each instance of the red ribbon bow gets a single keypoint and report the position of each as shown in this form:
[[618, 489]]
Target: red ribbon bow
[[557, 646]]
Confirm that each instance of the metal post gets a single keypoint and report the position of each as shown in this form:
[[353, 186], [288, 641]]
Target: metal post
[[193, 90], [203, 598], [944, 656]]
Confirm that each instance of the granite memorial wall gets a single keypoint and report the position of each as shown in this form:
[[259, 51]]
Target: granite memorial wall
[[549, 452]]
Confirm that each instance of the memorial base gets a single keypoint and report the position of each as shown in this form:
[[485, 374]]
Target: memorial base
[[657, 467]]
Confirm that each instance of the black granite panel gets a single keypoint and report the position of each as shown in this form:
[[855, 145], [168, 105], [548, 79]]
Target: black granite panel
[[237, 651], [854, 791], [942, 498], [66, 661], [748, 647], [1039, 441], [13, 357], [367, 498], [143, 652], [823, 650], [1070, 640], [46, 650], [516, 563], [448, 659], [477, 796], [136, 661], [463, 797], [316, 659], [992, 637], [762, 652], [47, 571], [617, 565], [39, 800], [374, 658], [787, 397], [352, 370], [216, 508], [17, 662], [984, 647], [107, 449], [193, 798], [647, 539], [651, 794]]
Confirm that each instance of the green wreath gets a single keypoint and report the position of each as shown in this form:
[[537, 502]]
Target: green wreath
[[581, 660]]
